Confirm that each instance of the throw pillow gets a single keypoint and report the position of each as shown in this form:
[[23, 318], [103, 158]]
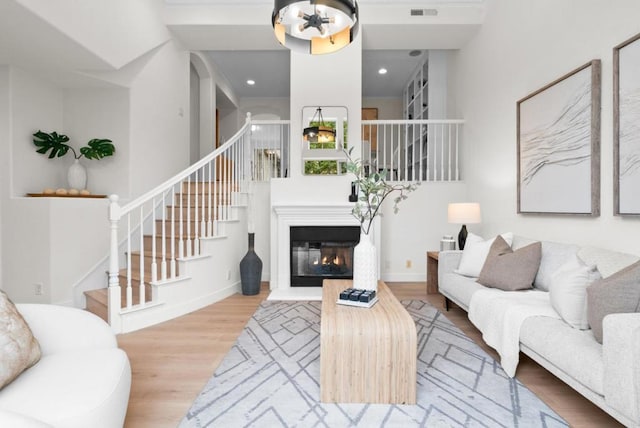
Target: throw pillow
[[618, 293], [510, 270], [475, 253], [19, 350], [568, 291]]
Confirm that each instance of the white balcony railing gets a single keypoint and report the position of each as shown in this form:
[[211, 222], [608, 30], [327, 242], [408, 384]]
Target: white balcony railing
[[413, 150]]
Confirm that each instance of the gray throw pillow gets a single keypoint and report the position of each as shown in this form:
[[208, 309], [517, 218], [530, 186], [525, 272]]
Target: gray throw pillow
[[19, 350], [618, 293], [510, 270]]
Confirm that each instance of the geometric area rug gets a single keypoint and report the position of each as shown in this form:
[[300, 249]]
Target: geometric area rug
[[270, 379]]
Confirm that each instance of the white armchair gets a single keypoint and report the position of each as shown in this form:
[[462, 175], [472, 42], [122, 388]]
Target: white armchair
[[82, 380]]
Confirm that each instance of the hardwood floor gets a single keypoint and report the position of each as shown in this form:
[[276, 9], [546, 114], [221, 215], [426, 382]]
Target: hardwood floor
[[171, 362]]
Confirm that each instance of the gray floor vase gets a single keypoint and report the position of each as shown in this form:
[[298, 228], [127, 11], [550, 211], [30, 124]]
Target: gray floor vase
[[270, 379]]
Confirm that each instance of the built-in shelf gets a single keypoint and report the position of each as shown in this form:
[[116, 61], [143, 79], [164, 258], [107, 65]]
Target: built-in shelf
[[416, 97]]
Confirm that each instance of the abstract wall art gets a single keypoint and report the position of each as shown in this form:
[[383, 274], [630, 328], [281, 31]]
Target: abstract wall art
[[559, 145], [626, 127]]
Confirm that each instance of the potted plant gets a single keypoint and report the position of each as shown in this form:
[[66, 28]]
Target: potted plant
[[373, 190], [55, 144]]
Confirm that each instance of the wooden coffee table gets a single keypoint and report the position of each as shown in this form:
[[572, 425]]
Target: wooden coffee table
[[367, 355]]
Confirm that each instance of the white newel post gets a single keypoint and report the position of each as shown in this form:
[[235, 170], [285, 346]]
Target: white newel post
[[114, 295]]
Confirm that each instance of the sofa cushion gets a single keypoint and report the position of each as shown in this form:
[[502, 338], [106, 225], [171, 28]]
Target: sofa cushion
[[75, 389], [618, 293], [19, 350], [475, 253], [574, 352], [510, 270], [607, 261], [568, 291], [459, 288]]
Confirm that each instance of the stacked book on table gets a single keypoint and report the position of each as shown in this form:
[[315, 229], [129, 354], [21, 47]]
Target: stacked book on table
[[357, 297]]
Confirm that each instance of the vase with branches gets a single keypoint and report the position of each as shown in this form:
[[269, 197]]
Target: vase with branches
[[372, 189]]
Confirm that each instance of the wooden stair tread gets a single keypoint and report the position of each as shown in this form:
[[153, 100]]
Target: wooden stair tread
[[100, 295]]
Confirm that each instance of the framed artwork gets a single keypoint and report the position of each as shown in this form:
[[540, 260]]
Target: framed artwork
[[626, 127], [559, 145]]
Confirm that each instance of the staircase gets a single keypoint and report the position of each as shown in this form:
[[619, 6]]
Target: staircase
[[184, 239], [189, 204]]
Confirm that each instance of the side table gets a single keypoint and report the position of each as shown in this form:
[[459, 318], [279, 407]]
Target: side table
[[432, 272]]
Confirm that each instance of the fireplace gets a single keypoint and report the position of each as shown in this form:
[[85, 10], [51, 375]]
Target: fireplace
[[321, 252]]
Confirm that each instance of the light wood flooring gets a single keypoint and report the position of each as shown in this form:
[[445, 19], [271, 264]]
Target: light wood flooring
[[171, 362]]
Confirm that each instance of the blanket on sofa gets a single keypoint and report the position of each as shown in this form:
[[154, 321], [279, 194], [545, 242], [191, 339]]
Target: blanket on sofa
[[499, 315]]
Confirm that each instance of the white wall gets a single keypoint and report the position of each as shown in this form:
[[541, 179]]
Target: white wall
[[32, 104], [99, 113], [521, 47], [160, 119], [118, 31], [35, 105], [272, 105], [417, 228]]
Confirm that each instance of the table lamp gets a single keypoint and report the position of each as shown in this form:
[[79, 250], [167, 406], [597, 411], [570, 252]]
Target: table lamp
[[463, 213]]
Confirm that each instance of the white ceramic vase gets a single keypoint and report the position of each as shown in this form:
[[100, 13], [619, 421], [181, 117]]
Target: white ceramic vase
[[365, 264], [77, 176]]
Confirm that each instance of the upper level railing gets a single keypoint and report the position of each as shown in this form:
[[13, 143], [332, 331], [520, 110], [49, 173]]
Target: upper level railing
[[413, 150], [270, 145]]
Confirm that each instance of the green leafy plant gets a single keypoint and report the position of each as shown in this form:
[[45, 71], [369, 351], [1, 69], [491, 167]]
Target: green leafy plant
[[55, 144], [373, 189]]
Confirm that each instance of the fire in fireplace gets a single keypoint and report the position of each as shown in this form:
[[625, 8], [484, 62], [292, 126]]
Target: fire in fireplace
[[319, 252]]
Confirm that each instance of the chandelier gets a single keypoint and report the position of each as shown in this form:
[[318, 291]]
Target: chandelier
[[315, 26], [318, 131]]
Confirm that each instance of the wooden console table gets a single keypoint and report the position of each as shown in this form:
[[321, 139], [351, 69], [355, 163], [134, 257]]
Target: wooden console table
[[432, 272], [367, 355]]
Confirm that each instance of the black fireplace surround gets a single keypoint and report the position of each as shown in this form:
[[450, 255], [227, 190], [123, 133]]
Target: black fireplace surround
[[321, 252]]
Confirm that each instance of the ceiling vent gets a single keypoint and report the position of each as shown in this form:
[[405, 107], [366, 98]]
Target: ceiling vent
[[424, 12]]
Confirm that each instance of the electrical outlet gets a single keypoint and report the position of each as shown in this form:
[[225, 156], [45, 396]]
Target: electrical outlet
[[387, 264], [408, 264], [38, 289], [228, 274]]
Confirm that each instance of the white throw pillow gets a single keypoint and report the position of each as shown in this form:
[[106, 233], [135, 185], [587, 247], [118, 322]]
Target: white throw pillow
[[475, 253], [568, 291]]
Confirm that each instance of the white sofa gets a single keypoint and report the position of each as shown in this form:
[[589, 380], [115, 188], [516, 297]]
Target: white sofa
[[607, 374], [82, 379]]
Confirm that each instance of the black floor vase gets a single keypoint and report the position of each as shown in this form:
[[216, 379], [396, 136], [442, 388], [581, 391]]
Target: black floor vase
[[250, 270]]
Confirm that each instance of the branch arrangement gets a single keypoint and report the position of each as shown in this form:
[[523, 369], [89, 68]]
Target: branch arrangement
[[373, 189]]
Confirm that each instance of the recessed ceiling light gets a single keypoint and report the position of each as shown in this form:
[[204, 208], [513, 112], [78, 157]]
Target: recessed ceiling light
[[251, 82], [382, 71]]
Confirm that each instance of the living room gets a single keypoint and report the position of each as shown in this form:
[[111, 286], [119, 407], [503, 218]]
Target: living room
[[518, 49]]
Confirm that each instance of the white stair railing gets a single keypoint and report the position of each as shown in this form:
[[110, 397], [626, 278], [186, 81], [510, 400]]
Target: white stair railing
[[270, 143], [413, 150], [167, 223]]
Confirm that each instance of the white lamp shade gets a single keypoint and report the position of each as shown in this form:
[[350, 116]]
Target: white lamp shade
[[464, 213]]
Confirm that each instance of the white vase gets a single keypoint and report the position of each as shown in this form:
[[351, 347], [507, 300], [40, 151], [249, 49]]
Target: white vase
[[365, 264], [77, 176]]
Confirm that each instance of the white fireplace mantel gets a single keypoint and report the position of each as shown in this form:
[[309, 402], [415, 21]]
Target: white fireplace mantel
[[286, 216]]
